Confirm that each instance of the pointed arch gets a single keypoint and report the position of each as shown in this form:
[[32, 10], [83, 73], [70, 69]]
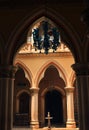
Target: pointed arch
[[22, 91], [56, 88], [60, 69], [19, 35], [28, 73]]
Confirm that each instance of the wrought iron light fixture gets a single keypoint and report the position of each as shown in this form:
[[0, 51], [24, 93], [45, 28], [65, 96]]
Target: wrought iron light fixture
[[47, 38]]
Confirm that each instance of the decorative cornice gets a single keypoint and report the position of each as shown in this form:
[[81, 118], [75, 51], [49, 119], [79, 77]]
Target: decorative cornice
[[59, 54], [7, 71]]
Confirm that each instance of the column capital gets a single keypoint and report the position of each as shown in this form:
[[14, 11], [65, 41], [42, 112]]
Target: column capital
[[69, 89], [34, 90], [81, 68], [7, 71]]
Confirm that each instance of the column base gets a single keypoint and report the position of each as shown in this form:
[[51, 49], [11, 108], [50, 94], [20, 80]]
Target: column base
[[70, 124], [34, 124]]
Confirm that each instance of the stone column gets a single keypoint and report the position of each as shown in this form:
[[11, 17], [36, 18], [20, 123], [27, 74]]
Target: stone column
[[6, 97], [70, 107], [82, 78], [34, 108]]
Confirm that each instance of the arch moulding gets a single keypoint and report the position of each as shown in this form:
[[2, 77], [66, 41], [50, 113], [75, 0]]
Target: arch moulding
[[72, 79], [60, 69], [19, 35], [58, 88], [21, 91], [28, 73]]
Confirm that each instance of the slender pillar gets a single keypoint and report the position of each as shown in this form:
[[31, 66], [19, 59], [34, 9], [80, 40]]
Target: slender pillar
[[6, 97], [82, 78], [34, 108], [70, 107]]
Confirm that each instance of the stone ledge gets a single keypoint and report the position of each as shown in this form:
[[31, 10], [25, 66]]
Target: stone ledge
[[45, 128]]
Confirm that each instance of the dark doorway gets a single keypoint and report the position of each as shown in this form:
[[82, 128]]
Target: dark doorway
[[54, 105], [22, 118], [24, 103]]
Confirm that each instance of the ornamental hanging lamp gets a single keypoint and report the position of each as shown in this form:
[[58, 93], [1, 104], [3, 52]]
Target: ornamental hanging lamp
[[47, 38]]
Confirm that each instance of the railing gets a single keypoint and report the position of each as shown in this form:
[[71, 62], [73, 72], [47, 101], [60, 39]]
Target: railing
[[21, 119]]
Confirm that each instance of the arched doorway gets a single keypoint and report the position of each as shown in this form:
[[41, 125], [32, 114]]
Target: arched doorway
[[52, 98], [52, 80], [22, 117], [54, 105], [24, 103], [22, 99]]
